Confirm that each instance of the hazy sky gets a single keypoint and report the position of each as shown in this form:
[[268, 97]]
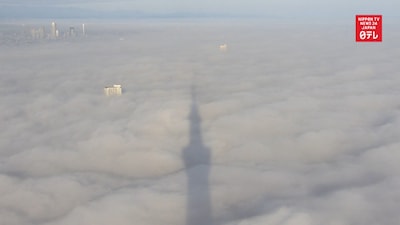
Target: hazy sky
[[273, 8]]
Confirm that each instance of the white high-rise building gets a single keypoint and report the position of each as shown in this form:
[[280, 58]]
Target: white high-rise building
[[38, 33], [116, 89], [83, 29], [53, 30]]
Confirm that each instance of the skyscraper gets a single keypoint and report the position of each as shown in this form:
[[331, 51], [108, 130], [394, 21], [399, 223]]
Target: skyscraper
[[72, 31], [83, 29], [38, 33], [53, 30]]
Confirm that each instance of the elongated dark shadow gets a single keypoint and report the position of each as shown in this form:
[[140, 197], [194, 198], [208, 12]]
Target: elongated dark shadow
[[196, 157]]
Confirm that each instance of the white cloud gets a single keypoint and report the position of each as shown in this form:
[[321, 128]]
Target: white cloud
[[302, 126]]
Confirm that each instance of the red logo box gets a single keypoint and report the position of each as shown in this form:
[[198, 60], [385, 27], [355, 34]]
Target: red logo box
[[368, 28]]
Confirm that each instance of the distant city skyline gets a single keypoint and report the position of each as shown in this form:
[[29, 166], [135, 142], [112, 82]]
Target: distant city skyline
[[303, 9], [51, 31]]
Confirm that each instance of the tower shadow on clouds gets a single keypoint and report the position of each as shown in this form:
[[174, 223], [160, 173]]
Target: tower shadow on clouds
[[196, 157]]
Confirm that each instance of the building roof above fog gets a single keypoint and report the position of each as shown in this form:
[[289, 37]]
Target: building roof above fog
[[116, 89]]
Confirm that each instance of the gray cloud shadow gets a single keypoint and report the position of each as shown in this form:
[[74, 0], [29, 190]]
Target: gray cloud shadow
[[196, 157]]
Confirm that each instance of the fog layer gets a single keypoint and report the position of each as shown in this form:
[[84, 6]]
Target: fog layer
[[290, 126]]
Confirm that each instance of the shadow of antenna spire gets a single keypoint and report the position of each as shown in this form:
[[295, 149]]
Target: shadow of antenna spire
[[196, 157]]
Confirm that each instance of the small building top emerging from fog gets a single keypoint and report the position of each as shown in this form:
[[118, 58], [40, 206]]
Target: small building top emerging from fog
[[116, 89], [223, 47]]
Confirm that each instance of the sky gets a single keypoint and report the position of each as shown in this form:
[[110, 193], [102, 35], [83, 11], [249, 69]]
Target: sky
[[286, 9], [289, 126]]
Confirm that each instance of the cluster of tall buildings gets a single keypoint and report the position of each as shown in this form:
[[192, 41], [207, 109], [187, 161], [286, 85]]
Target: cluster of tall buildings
[[55, 32]]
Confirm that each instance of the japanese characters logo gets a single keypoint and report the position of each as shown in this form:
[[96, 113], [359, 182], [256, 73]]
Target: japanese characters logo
[[368, 28]]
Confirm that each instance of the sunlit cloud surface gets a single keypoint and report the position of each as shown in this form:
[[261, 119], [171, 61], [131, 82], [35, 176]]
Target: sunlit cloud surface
[[301, 124]]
